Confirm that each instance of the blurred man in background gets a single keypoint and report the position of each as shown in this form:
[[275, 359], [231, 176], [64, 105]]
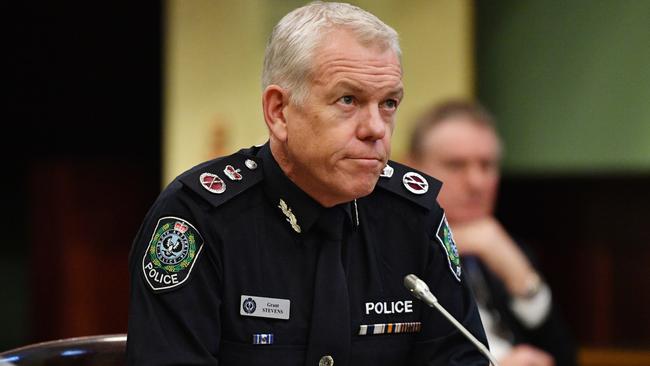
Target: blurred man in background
[[457, 143]]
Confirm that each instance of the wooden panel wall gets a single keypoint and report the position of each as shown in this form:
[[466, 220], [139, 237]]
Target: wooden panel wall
[[84, 217], [83, 161], [592, 236]]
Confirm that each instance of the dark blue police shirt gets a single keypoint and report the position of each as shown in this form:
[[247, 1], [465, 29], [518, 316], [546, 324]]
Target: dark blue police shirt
[[201, 258]]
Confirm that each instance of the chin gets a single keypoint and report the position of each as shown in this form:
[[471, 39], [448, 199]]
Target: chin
[[362, 189]]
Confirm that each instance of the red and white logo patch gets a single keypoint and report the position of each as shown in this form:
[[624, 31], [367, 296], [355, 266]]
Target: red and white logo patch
[[212, 183], [232, 173], [415, 183]]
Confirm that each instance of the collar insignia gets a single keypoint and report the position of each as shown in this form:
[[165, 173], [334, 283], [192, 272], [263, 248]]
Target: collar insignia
[[212, 183], [232, 173], [291, 218], [415, 183], [387, 172]]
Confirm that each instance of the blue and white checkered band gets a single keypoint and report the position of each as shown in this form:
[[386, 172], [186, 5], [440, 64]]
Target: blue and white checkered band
[[263, 338], [390, 328], [249, 306]]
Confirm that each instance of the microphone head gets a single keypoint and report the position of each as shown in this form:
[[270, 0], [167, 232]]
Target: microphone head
[[418, 288], [411, 281]]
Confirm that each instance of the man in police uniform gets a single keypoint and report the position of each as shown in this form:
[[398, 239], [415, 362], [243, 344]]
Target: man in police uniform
[[294, 253]]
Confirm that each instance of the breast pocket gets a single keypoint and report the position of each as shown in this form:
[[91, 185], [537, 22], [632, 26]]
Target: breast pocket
[[386, 349], [244, 354]]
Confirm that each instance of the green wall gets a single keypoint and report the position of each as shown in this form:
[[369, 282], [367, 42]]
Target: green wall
[[569, 82]]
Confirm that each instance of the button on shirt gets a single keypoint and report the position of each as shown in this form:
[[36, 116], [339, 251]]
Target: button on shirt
[[253, 253]]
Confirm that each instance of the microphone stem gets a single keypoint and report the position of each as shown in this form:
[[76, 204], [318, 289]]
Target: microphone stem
[[469, 335]]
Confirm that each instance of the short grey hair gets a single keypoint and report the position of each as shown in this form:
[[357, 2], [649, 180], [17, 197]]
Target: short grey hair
[[288, 59]]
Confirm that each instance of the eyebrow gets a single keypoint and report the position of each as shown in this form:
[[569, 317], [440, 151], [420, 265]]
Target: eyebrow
[[397, 93], [344, 84]]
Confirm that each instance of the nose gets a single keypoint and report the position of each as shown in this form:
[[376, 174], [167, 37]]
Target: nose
[[476, 177], [372, 125]]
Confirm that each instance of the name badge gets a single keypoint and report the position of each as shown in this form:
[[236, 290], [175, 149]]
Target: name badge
[[264, 307]]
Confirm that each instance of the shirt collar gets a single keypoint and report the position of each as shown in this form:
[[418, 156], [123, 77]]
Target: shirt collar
[[301, 210]]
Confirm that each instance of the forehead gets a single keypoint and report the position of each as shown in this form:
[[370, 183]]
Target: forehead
[[460, 137], [341, 57]]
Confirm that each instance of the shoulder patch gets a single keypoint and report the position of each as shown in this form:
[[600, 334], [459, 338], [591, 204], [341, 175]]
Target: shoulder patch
[[219, 180], [410, 184], [446, 239], [172, 252]]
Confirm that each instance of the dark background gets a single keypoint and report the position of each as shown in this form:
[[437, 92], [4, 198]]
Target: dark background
[[568, 84], [590, 235], [81, 163]]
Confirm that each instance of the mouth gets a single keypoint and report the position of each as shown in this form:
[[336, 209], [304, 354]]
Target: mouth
[[368, 159], [368, 162]]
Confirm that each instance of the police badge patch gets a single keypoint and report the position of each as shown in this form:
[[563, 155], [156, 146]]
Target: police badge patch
[[171, 254], [446, 239]]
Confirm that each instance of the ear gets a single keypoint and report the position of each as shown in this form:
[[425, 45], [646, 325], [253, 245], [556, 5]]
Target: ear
[[274, 101]]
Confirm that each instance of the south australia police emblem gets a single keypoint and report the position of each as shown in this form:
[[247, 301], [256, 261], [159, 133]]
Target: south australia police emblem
[[249, 306], [446, 239], [174, 247]]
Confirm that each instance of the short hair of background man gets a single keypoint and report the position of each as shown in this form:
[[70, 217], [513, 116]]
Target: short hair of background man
[[289, 51], [472, 110]]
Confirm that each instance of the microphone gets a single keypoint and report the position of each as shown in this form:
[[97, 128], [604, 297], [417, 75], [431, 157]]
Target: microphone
[[421, 291]]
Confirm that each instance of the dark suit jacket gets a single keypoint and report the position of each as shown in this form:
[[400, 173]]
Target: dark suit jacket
[[551, 335]]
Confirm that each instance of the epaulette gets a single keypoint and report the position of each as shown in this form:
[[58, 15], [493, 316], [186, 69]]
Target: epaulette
[[221, 179], [410, 184]]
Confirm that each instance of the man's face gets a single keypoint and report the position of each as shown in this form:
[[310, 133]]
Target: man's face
[[465, 156], [338, 140]]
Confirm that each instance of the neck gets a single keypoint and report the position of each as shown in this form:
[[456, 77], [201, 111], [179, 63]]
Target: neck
[[293, 172]]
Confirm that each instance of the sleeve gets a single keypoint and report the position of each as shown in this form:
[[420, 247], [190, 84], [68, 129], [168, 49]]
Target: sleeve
[[175, 287], [553, 337], [551, 334], [532, 311], [440, 342]]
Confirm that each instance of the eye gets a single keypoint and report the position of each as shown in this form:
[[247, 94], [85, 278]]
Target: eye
[[454, 165], [390, 104], [489, 165], [348, 99]]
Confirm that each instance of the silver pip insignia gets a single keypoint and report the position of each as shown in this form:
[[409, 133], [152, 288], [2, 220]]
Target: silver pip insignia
[[415, 183], [212, 183], [250, 164]]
